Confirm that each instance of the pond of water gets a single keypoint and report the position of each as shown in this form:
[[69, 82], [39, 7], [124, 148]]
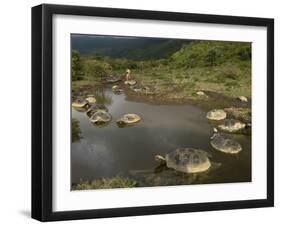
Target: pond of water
[[105, 152]]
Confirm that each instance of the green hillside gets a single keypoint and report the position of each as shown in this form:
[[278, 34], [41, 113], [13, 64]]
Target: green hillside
[[223, 67], [212, 53]]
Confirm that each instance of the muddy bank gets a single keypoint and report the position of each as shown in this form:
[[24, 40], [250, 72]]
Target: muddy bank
[[234, 107], [209, 101]]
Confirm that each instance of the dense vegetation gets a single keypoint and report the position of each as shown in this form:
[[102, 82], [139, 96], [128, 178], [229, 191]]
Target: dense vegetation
[[211, 65], [76, 66]]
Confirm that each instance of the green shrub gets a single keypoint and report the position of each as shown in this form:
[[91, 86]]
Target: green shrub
[[97, 69]]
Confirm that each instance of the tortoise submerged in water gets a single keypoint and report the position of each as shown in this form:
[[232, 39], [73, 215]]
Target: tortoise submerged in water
[[94, 108], [100, 117], [216, 114], [186, 160], [91, 99], [128, 119], [226, 145], [80, 105], [232, 125]]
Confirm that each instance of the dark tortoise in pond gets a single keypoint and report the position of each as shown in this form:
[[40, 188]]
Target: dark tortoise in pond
[[232, 125], [186, 160], [224, 144], [100, 117], [94, 108], [243, 114]]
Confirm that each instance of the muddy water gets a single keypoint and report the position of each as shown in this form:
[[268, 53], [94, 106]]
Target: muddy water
[[110, 151]]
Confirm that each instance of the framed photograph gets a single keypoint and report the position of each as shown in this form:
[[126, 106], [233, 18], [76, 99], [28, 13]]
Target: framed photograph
[[146, 112]]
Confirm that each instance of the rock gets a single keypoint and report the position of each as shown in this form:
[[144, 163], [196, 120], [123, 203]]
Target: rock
[[232, 125], [216, 114], [243, 99], [226, 145], [114, 87], [215, 130], [112, 79], [91, 100], [141, 89], [136, 89], [200, 93]]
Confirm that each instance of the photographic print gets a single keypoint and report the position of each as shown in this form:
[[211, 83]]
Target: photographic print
[[139, 112], [159, 112]]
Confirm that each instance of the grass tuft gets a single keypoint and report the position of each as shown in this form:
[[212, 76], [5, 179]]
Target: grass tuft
[[104, 183]]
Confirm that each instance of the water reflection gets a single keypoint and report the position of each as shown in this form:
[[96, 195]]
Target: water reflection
[[103, 97], [75, 131]]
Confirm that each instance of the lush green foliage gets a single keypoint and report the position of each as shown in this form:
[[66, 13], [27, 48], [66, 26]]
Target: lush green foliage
[[76, 66], [95, 68], [211, 53]]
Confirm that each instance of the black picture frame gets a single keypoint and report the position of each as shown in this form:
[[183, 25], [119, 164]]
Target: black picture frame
[[42, 111]]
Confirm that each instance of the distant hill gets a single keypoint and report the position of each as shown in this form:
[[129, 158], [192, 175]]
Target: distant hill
[[133, 48], [211, 53]]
